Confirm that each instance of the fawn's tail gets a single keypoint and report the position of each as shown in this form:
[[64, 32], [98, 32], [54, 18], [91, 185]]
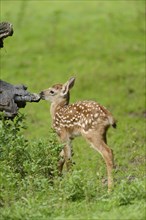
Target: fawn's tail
[[112, 121]]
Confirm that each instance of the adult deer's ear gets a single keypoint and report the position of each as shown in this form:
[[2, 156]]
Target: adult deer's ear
[[67, 86]]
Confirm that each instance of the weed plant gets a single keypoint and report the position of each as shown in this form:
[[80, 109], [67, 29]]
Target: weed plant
[[24, 165]]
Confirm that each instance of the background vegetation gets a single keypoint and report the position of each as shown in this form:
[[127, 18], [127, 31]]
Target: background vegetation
[[102, 44]]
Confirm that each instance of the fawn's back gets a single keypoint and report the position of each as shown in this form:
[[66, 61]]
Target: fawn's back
[[82, 116]]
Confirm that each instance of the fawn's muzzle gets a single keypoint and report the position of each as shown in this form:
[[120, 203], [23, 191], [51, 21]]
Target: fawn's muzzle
[[42, 96]]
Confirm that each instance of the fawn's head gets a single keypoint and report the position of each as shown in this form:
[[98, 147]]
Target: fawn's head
[[58, 93]]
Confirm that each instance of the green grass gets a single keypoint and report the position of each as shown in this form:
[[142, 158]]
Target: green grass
[[102, 44]]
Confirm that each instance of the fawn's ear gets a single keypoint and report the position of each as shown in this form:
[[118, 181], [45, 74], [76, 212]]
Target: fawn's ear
[[67, 86]]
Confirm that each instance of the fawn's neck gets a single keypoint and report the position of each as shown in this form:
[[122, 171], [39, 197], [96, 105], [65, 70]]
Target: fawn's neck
[[55, 107]]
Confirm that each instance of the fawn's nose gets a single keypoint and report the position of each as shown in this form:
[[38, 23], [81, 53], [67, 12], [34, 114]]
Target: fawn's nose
[[41, 94]]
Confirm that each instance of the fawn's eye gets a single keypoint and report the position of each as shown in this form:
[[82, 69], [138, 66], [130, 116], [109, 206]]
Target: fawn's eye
[[51, 92]]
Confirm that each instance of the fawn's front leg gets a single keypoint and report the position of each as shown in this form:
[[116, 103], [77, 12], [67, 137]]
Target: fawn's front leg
[[61, 162], [65, 154], [68, 155]]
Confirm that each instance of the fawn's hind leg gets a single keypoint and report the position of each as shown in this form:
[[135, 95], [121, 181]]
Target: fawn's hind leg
[[98, 142]]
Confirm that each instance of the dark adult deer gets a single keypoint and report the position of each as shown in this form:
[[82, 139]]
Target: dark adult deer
[[86, 118]]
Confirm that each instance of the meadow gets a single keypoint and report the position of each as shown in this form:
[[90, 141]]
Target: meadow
[[102, 44]]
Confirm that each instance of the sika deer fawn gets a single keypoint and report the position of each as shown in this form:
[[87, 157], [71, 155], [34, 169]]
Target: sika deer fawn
[[86, 118]]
